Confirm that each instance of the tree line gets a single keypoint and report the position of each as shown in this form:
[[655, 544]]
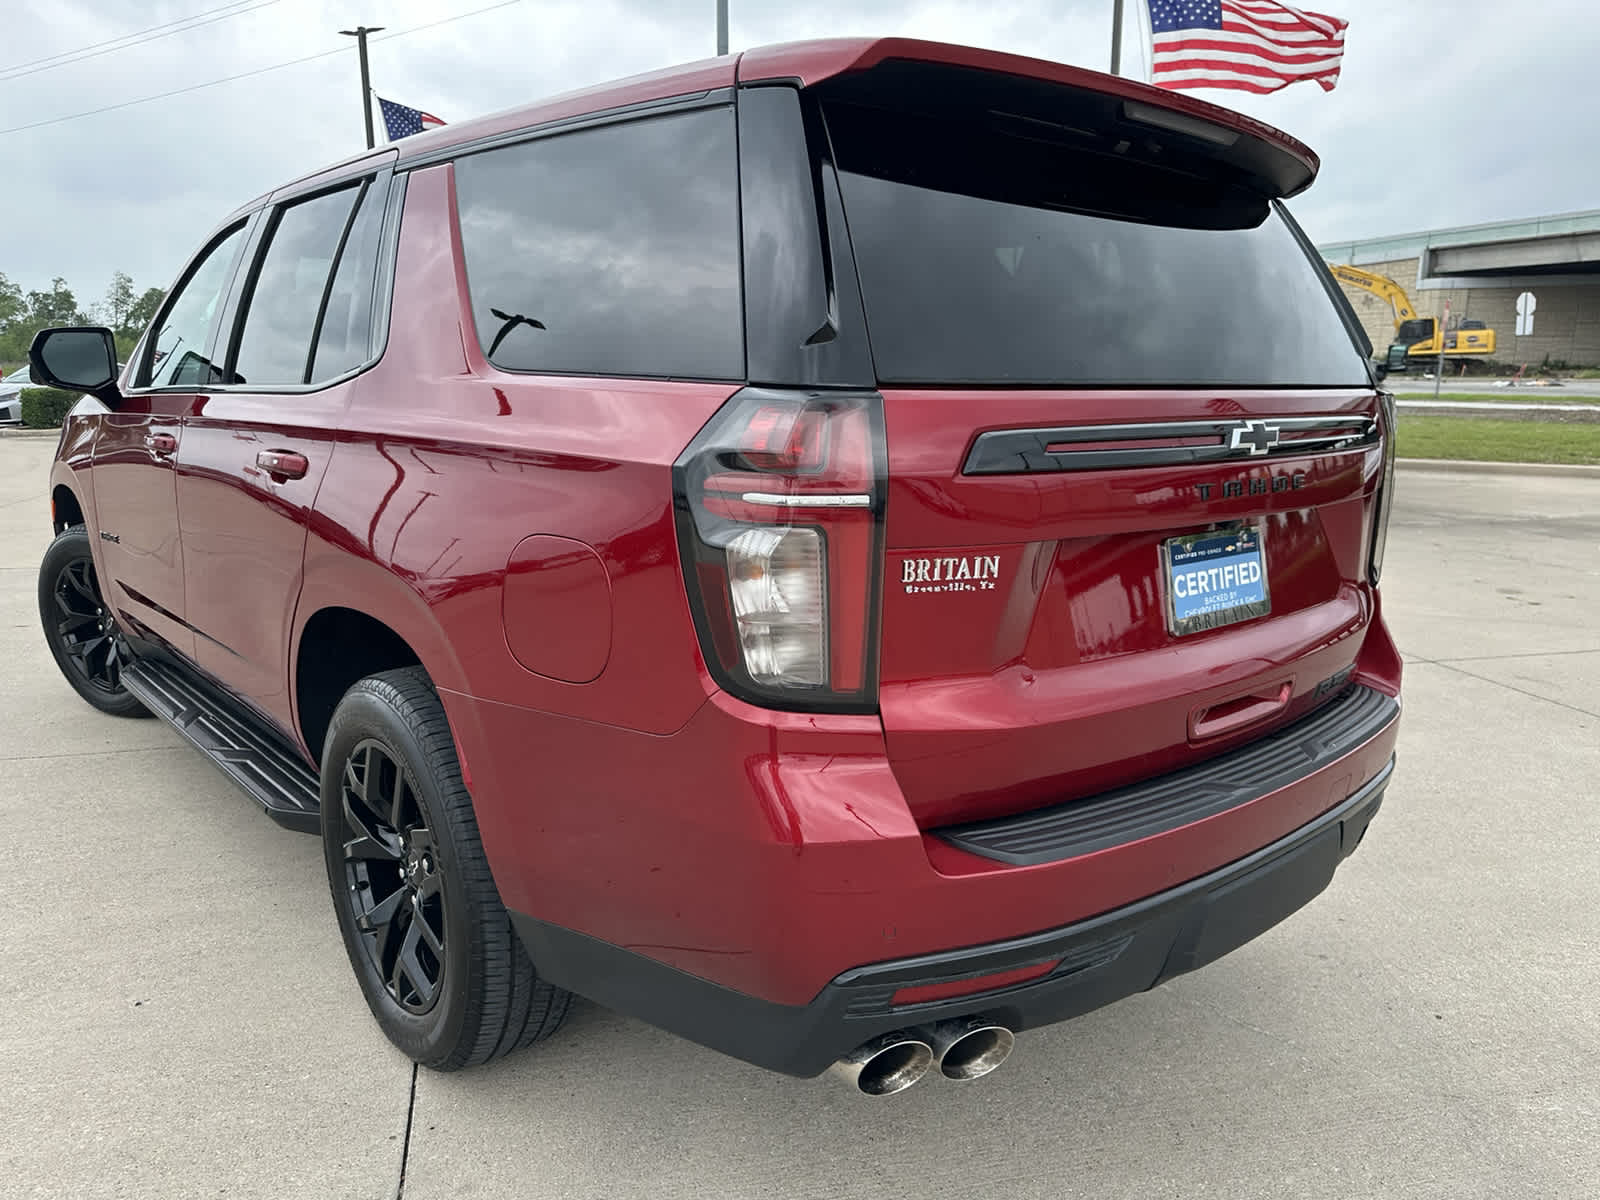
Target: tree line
[[123, 309]]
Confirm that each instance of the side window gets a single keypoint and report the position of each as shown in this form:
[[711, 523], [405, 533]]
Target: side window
[[610, 251], [179, 346], [343, 342], [280, 314]]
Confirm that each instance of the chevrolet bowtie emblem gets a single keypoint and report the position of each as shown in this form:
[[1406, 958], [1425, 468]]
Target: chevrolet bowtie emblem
[[1255, 437]]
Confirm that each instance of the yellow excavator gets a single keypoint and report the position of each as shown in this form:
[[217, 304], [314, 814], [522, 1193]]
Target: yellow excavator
[[1416, 339]]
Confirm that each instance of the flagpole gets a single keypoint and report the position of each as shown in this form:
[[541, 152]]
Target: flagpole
[[360, 34], [1116, 37]]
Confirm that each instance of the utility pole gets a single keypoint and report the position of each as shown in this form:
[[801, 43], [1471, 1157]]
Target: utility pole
[[722, 27], [360, 34], [1116, 37], [1438, 367]]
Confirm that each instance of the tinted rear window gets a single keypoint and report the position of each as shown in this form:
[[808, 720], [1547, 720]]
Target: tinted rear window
[[611, 251], [986, 257]]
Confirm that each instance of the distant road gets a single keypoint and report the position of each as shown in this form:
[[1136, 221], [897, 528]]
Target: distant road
[[1408, 386]]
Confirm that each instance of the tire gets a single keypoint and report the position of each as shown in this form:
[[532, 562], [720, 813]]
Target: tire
[[433, 949], [81, 633]]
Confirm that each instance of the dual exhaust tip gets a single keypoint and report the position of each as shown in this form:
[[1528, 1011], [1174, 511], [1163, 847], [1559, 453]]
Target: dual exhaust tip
[[964, 1048]]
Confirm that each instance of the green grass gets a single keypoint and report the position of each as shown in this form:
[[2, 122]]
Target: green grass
[[1517, 395], [1484, 439]]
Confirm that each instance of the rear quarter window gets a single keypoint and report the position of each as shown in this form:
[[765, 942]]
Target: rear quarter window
[[609, 251], [343, 342]]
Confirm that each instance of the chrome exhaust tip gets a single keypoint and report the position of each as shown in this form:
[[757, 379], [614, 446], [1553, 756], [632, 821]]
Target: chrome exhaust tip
[[886, 1065], [970, 1047]]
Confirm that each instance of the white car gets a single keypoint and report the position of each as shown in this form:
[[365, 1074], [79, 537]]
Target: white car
[[11, 395]]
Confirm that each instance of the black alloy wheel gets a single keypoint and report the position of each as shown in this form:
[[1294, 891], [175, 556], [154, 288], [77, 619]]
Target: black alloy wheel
[[87, 632], [392, 869], [80, 627], [428, 937]]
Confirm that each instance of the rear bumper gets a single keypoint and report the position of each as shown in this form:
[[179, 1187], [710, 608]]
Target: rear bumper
[[770, 853], [1096, 961], [756, 879]]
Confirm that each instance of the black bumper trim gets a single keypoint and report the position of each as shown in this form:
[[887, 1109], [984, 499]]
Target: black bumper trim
[[1102, 959], [1171, 801]]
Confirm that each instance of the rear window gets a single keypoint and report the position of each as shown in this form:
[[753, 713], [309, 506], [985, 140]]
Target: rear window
[[993, 254]]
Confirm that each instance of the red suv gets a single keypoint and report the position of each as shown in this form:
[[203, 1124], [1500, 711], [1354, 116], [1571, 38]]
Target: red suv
[[843, 552]]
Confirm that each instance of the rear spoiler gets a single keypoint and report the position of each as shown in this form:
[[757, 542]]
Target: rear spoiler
[[1050, 94]]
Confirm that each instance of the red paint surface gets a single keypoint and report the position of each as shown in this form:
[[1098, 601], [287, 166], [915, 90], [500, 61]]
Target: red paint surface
[[136, 503], [556, 608], [244, 533], [1062, 680], [771, 851]]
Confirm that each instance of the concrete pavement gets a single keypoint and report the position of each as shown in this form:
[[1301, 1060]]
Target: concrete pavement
[[180, 1019], [177, 1016]]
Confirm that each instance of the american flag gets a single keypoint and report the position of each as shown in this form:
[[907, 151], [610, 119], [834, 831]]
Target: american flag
[[1253, 45], [401, 121]]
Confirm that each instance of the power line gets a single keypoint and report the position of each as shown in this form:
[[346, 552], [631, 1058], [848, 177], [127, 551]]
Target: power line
[[175, 92], [258, 71], [128, 40], [122, 37]]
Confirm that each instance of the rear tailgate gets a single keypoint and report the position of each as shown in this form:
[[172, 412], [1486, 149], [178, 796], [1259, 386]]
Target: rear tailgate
[[1028, 654]]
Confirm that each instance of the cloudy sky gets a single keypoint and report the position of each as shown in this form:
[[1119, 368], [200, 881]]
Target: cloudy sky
[[1474, 114]]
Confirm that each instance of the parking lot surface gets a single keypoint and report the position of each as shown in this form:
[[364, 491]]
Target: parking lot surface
[[179, 1018]]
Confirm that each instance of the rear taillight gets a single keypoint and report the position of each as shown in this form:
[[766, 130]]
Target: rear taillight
[[780, 504], [1383, 500]]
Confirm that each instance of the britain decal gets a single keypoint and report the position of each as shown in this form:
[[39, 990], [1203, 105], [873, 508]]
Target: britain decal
[[962, 573]]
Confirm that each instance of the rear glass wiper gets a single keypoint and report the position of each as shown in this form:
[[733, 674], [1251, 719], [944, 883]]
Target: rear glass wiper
[[512, 320]]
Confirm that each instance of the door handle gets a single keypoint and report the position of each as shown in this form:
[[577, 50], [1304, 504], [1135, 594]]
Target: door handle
[[282, 464], [161, 443]]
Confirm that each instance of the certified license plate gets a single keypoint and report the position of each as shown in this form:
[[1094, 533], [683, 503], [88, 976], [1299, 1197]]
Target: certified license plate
[[1215, 579]]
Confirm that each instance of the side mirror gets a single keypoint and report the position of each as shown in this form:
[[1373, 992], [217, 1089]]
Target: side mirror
[[1380, 369], [77, 359]]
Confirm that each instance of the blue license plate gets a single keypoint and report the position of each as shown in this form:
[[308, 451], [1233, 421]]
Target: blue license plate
[[1214, 579]]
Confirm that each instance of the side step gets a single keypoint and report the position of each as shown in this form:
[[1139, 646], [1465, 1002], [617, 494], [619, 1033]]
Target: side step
[[246, 749]]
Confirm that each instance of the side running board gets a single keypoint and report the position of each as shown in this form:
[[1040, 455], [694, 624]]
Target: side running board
[[246, 749]]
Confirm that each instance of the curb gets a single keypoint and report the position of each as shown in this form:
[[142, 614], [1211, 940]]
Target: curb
[[30, 433], [1463, 466]]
